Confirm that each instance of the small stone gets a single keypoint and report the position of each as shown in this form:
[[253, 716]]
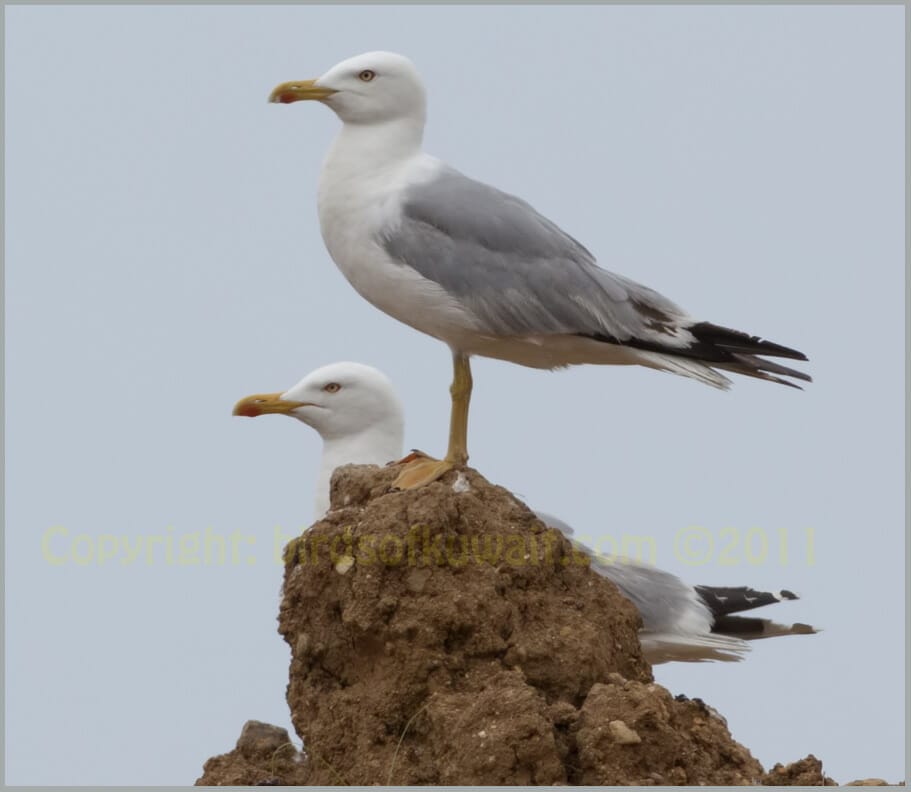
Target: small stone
[[261, 739], [461, 484], [562, 713], [623, 734], [388, 604], [417, 580], [344, 564]]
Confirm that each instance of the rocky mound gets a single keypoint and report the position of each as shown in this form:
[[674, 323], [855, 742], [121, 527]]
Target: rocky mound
[[446, 636], [264, 756]]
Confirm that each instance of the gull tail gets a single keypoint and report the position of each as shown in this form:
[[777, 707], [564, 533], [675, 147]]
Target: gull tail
[[684, 366], [672, 647]]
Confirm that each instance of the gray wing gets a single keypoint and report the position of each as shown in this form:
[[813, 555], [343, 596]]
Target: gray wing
[[518, 274], [682, 622], [676, 623], [664, 601], [514, 270]]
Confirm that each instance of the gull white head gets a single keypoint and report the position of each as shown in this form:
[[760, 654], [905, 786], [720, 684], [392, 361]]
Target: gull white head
[[366, 89], [353, 407]]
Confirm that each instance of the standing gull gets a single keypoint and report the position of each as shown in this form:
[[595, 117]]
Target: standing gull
[[480, 269], [357, 413]]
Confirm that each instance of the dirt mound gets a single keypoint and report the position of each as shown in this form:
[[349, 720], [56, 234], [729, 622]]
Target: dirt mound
[[446, 636], [264, 756], [806, 772]]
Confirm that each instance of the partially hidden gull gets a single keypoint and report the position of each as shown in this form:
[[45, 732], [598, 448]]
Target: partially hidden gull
[[355, 410], [480, 269]]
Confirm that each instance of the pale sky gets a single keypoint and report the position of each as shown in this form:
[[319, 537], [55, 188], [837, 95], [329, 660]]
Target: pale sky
[[163, 259]]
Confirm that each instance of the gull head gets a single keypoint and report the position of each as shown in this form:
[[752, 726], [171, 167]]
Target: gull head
[[340, 400], [369, 88]]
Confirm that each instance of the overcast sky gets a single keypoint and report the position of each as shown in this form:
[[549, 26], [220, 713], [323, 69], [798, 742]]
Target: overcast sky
[[163, 259]]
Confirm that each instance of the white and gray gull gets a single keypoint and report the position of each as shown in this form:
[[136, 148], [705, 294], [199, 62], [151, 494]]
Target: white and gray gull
[[480, 269], [359, 417]]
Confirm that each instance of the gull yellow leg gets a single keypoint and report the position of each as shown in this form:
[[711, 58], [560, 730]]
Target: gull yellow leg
[[419, 469], [460, 390]]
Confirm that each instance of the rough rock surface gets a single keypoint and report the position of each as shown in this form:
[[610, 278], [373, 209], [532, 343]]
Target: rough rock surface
[[264, 756], [446, 636], [806, 772], [437, 655], [681, 741]]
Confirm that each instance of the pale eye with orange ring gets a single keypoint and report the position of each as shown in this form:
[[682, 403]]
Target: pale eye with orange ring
[[332, 387], [367, 75]]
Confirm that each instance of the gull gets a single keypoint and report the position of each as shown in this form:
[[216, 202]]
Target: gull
[[480, 269], [356, 411]]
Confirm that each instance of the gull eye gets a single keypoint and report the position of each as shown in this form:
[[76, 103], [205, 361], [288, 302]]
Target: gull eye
[[332, 387], [367, 75]]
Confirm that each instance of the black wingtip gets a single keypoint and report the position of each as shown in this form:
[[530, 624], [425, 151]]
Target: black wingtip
[[725, 600], [720, 348], [738, 341], [750, 629]]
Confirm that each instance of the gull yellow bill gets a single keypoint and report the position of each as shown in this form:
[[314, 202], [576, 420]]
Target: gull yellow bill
[[299, 91], [266, 404]]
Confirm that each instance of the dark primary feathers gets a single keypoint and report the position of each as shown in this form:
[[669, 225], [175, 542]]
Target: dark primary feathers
[[725, 601], [749, 629]]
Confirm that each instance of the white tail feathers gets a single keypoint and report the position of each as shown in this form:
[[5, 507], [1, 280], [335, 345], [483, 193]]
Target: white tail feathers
[[685, 367], [672, 647]]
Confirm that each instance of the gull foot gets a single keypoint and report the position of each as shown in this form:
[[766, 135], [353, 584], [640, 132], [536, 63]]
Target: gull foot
[[418, 470]]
